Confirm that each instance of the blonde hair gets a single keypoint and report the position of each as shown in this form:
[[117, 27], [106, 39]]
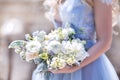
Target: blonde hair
[[115, 11], [52, 6]]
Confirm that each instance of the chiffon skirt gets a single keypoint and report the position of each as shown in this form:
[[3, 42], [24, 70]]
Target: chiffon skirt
[[100, 69]]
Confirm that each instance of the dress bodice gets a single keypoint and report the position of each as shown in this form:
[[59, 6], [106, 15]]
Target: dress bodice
[[80, 15]]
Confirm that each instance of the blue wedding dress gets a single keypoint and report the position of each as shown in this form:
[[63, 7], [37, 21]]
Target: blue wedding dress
[[81, 17]]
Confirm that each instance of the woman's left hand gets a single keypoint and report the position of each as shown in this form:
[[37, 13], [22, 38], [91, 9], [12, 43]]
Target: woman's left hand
[[66, 69]]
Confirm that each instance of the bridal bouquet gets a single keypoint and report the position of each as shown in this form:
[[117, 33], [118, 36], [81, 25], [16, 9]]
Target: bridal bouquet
[[55, 50]]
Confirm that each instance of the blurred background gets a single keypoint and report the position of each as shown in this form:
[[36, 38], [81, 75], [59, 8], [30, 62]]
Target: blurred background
[[18, 17]]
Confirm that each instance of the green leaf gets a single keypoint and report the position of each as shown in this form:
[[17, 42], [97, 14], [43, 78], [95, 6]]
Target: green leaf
[[83, 42], [17, 44], [82, 30]]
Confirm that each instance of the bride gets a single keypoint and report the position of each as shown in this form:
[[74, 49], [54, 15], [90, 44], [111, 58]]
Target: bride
[[94, 17]]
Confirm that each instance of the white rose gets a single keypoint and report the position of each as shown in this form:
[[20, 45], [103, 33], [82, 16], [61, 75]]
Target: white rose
[[54, 46], [40, 36], [66, 47], [57, 63], [33, 46], [70, 61], [31, 56]]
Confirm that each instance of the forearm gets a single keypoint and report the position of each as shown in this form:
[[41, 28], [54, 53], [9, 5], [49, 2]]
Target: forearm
[[95, 52], [103, 26]]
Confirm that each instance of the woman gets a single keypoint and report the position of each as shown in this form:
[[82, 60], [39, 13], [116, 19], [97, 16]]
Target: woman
[[94, 18]]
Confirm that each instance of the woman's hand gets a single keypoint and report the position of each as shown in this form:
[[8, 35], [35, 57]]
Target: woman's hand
[[66, 69]]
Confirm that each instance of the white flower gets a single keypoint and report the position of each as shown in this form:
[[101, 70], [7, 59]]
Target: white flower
[[35, 33], [77, 45], [81, 56], [70, 30], [45, 43], [70, 60], [60, 33], [67, 47], [33, 46], [31, 56], [39, 35], [54, 46], [74, 48], [65, 34], [53, 36], [28, 37], [57, 63]]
